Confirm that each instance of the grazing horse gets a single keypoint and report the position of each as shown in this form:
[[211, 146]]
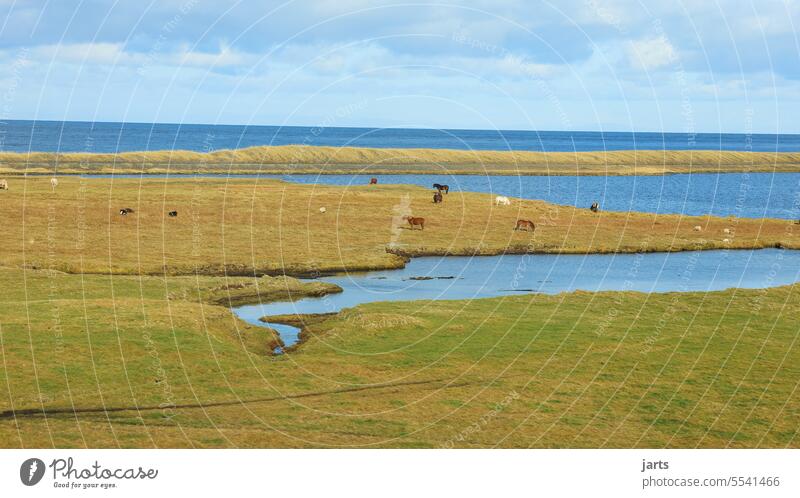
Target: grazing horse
[[173, 214], [415, 222], [125, 211], [373, 181], [437, 197], [595, 208], [502, 200], [3, 185], [439, 187], [526, 225]]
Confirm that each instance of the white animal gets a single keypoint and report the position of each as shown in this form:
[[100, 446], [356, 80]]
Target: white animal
[[698, 228], [726, 231], [726, 240], [502, 200], [3, 185], [322, 210], [54, 183]]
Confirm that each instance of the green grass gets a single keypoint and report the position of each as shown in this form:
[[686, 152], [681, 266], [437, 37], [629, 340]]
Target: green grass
[[116, 332], [525, 371]]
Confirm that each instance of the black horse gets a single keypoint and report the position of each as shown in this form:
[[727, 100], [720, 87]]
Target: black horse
[[440, 188]]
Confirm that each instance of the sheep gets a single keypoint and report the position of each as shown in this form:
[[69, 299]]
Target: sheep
[[54, 183], [502, 200], [322, 210], [3, 185]]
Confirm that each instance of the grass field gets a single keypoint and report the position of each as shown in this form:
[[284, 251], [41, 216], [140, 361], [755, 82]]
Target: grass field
[[115, 331], [141, 362], [332, 160], [246, 227]]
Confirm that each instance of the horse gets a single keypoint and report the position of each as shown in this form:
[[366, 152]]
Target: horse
[[173, 214], [373, 181], [3, 184], [415, 222], [526, 225], [440, 187], [125, 211], [54, 183], [595, 208], [502, 200], [437, 197]]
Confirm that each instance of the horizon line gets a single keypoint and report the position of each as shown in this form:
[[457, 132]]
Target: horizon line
[[500, 130]]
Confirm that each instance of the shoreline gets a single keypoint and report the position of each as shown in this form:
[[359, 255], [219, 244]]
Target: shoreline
[[404, 256], [347, 160], [184, 174]]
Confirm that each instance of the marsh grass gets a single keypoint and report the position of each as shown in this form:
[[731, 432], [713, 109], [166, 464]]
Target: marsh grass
[[247, 227], [131, 362], [115, 331], [337, 160]]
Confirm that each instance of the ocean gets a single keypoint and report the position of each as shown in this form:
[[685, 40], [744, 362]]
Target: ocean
[[74, 136]]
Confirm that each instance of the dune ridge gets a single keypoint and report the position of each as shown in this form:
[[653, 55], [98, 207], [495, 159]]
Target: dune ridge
[[317, 159]]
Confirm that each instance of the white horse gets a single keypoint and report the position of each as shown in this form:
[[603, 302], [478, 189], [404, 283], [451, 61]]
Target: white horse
[[54, 183], [502, 200], [3, 185]]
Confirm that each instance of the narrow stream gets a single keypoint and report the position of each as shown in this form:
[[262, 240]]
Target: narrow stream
[[447, 278]]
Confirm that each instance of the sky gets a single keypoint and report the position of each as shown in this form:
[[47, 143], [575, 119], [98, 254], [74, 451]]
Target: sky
[[612, 65]]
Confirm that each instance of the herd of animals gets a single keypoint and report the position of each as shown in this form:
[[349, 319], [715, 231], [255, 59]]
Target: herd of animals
[[500, 200], [54, 183], [413, 221]]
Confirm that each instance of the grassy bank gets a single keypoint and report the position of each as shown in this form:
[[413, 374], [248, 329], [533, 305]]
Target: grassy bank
[[333, 160], [116, 331], [143, 362], [246, 227]]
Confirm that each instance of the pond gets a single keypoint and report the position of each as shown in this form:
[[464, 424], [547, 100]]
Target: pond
[[747, 195], [440, 278]]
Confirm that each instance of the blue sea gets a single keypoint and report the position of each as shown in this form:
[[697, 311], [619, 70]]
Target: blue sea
[[73, 136]]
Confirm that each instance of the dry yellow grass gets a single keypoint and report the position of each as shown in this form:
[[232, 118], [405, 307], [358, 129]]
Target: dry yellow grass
[[246, 227], [308, 159], [159, 361]]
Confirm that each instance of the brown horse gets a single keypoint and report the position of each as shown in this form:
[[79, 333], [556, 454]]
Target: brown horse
[[526, 225], [437, 197], [442, 188], [415, 222], [373, 181]]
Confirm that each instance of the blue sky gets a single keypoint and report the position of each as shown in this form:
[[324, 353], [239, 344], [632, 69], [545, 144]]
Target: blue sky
[[731, 66]]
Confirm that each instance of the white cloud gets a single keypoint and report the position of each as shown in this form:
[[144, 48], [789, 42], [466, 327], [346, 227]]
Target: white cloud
[[651, 53], [82, 53]]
